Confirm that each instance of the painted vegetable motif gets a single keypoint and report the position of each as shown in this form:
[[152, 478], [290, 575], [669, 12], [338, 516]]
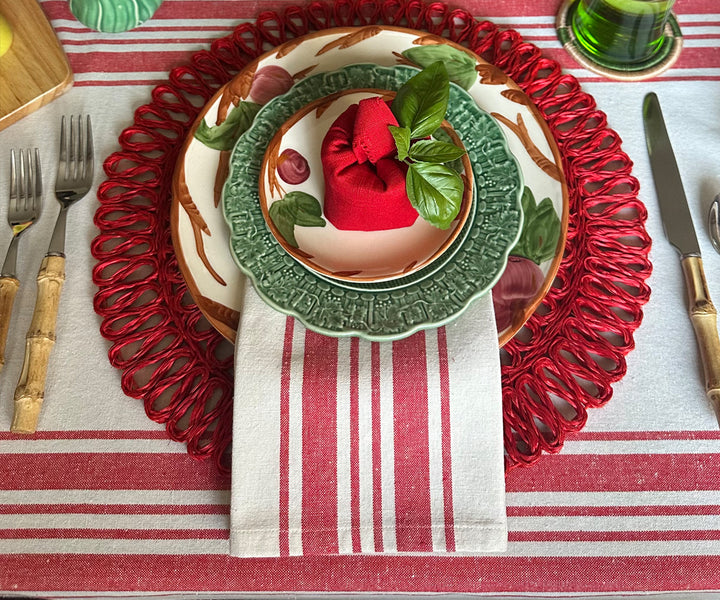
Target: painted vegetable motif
[[522, 279], [292, 167], [262, 86], [113, 16]]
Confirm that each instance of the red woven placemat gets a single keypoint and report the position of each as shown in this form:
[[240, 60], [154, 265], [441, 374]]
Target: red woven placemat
[[563, 362]]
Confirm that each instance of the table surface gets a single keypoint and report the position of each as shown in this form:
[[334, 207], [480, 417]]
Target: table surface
[[102, 501]]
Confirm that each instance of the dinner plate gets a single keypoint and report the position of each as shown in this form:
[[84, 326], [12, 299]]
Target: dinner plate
[[341, 254], [413, 302], [200, 235]]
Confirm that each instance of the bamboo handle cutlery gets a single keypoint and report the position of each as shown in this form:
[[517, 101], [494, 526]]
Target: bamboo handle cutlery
[[74, 180], [25, 202], [680, 232]]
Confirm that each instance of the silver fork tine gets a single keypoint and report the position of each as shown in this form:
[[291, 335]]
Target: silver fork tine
[[38, 179], [62, 160], [26, 178], [13, 177], [89, 149], [72, 157]]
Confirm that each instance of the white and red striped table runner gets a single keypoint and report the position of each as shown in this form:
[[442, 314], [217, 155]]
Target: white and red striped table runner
[[343, 446], [101, 502]]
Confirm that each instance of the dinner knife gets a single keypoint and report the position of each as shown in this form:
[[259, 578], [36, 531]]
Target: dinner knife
[[679, 230]]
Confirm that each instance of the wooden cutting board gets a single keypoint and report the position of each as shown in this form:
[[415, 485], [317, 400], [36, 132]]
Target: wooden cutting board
[[35, 70]]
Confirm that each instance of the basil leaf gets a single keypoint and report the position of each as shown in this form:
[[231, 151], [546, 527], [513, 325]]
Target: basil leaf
[[296, 208], [459, 65], [436, 192], [402, 140], [433, 151], [421, 102], [223, 136], [443, 136], [541, 229]]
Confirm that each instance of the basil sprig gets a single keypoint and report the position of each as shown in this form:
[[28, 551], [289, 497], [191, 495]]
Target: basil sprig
[[435, 189]]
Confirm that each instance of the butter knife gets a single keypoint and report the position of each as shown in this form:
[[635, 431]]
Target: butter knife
[[680, 231]]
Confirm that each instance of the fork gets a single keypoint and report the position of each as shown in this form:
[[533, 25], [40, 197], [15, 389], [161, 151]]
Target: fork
[[74, 180], [23, 210]]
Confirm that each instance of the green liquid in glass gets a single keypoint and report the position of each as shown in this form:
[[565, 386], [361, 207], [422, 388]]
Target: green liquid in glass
[[621, 31]]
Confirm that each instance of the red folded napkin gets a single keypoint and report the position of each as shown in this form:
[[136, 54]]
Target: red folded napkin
[[364, 182]]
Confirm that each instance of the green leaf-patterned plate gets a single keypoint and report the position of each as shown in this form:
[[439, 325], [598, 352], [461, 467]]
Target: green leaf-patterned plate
[[417, 302]]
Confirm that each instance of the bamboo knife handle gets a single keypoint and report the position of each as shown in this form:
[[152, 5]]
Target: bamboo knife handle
[[704, 319], [8, 288], [39, 341]]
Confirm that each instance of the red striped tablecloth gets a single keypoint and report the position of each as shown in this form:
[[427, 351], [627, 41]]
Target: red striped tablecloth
[[101, 501]]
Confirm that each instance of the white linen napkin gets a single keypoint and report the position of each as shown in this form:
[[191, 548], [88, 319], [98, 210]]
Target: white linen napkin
[[341, 445]]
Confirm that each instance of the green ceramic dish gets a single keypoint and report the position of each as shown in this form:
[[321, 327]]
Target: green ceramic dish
[[419, 302]]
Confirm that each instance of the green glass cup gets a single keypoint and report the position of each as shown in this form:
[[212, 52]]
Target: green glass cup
[[621, 32]]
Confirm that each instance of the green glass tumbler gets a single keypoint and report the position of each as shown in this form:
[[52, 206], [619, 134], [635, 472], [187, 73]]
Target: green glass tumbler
[[621, 32]]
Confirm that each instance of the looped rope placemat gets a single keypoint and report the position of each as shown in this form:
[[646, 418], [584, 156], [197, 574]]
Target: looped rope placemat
[[563, 362]]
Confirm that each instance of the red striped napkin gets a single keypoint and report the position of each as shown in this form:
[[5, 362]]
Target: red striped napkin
[[344, 446]]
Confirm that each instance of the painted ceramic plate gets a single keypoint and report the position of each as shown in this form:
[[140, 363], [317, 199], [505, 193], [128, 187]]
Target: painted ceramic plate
[[200, 234], [413, 303], [341, 254]]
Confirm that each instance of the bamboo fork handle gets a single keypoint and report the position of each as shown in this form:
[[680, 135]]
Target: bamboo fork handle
[[39, 341], [704, 319], [8, 288]]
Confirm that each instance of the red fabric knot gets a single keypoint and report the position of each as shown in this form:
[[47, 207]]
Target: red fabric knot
[[364, 182]]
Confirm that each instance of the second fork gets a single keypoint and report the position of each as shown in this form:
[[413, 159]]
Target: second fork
[[25, 202]]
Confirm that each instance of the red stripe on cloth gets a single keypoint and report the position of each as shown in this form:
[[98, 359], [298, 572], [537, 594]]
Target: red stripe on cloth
[[355, 444], [613, 511], [121, 62], [618, 472], [211, 9], [113, 534], [197, 9], [114, 509], [690, 58], [446, 440], [377, 462], [90, 434], [158, 41], [110, 471], [284, 467], [219, 572], [128, 82], [643, 435], [319, 445], [220, 29], [413, 521], [614, 536]]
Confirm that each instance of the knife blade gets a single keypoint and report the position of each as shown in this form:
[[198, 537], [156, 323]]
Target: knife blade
[[680, 231]]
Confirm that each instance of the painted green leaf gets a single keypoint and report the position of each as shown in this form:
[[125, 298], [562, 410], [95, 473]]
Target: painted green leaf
[[421, 102], [402, 140], [541, 229], [434, 151], [223, 136], [460, 67], [296, 208], [435, 191]]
